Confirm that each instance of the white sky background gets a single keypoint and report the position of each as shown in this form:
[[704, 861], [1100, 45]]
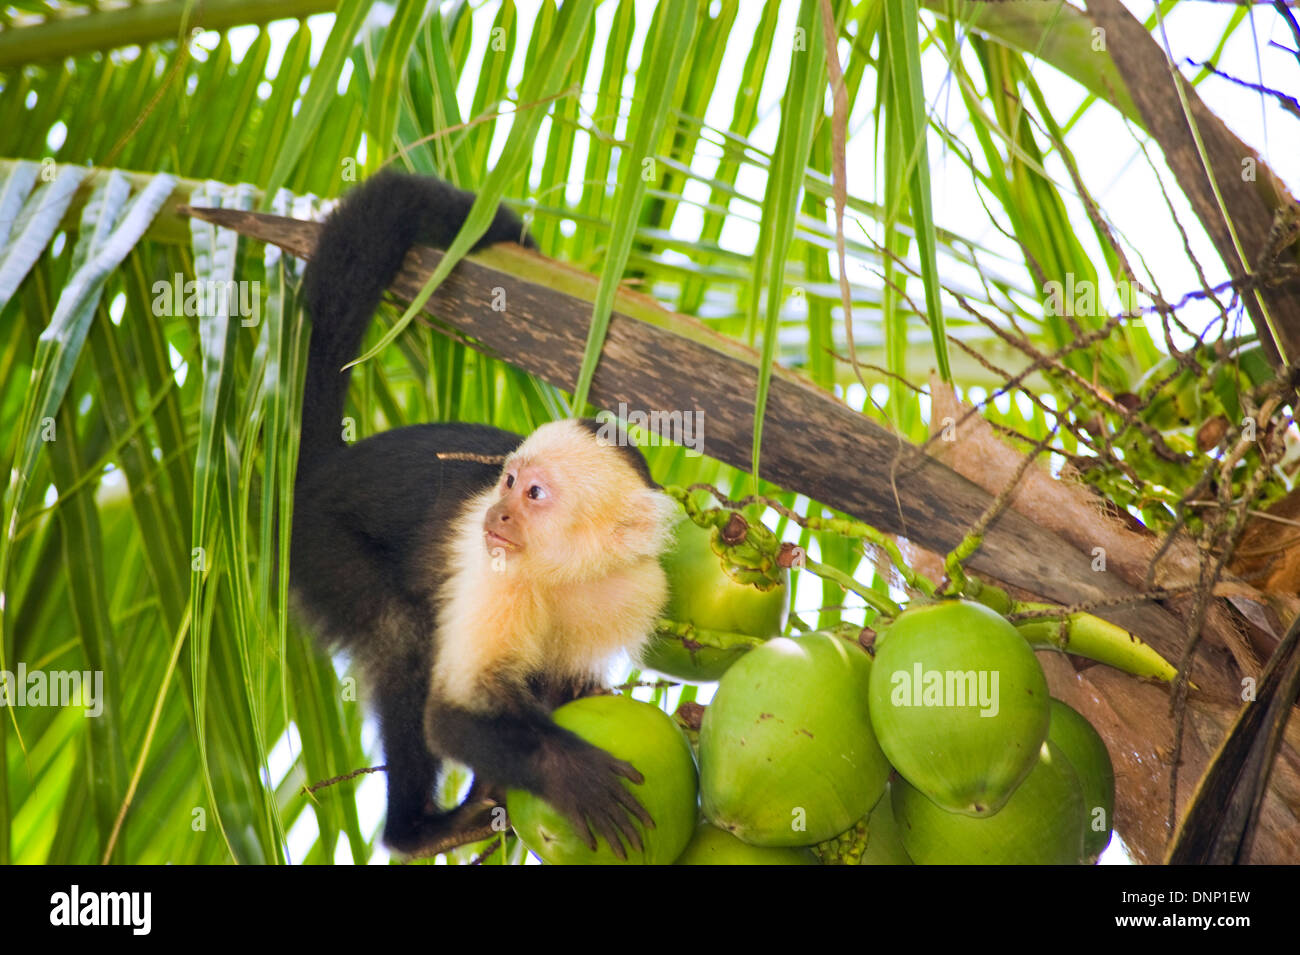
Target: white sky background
[[1110, 163]]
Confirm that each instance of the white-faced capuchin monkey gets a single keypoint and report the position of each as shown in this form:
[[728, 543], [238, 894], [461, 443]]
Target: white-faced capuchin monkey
[[477, 597]]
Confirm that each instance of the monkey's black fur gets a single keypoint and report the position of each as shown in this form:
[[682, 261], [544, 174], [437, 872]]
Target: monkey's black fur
[[359, 253], [369, 528]]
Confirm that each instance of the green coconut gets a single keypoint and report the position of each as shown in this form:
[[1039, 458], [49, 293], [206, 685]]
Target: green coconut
[[787, 753], [1041, 824], [884, 841], [1086, 751], [644, 736], [701, 592], [959, 704], [712, 846]]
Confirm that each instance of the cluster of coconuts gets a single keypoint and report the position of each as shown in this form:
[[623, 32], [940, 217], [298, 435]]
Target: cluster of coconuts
[[992, 769], [943, 749]]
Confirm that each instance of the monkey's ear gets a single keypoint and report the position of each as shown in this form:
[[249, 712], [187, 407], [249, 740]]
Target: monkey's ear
[[648, 522]]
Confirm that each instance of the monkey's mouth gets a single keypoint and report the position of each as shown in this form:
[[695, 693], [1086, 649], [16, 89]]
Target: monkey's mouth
[[495, 540]]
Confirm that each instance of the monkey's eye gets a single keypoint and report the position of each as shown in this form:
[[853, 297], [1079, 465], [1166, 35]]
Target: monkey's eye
[[510, 480], [537, 492]]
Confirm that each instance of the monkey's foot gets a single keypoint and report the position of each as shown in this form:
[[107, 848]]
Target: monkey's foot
[[434, 832]]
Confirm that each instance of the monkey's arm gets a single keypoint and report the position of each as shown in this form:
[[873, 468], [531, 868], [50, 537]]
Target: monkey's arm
[[524, 748]]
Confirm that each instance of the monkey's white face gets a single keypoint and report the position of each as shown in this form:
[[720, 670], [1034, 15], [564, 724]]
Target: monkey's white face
[[525, 504], [567, 508]]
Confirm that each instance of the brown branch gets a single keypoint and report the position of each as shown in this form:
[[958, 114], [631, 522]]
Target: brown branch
[[1288, 103], [334, 780], [543, 332]]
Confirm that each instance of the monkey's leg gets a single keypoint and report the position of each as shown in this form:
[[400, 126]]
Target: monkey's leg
[[412, 769], [525, 749]]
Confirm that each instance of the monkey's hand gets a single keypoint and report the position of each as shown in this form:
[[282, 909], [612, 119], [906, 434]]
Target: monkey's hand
[[582, 781], [524, 748]]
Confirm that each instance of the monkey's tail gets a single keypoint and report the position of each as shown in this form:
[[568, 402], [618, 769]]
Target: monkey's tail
[[359, 252]]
